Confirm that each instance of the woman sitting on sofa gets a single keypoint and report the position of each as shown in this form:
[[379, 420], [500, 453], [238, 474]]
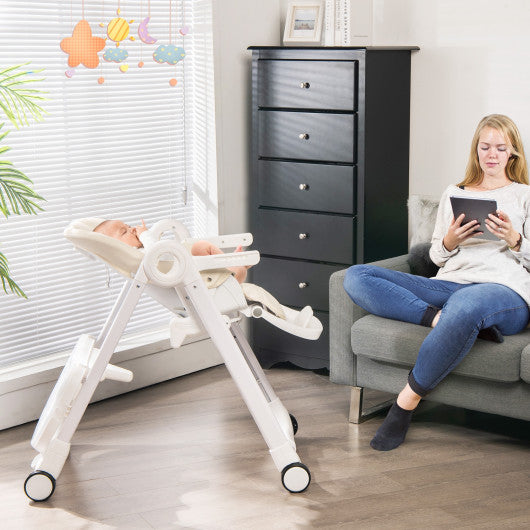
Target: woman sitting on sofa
[[482, 287]]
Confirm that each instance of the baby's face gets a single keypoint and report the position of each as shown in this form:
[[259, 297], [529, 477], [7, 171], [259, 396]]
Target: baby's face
[[119, 230]]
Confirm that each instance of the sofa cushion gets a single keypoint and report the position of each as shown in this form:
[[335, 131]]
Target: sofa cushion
[[398, 343], [420, 262], [525, 364]]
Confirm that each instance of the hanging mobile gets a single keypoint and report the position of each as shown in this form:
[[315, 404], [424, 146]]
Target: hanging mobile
[[169, 53]]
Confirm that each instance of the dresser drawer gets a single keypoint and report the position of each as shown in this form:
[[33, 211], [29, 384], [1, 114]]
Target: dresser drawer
[[295, 283], [310, 236], [273, 345], [316, 187], [307, 136], [329, 85]]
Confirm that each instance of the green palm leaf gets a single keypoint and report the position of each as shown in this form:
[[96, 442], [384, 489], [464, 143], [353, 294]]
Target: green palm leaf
[[17, 100], [7, 282], [16, 194]]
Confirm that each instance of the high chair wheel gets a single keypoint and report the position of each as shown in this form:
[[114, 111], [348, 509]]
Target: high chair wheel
[[295, 423], [296, 477], [39, 486]]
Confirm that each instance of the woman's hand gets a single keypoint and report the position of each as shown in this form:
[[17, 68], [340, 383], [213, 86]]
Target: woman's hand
[[458, 233], [501, 226]]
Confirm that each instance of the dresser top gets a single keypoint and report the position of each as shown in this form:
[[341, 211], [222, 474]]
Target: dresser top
[[328, 48]]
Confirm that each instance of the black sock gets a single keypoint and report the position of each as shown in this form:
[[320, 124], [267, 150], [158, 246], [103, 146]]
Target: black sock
[[492, 333], [392, 432]]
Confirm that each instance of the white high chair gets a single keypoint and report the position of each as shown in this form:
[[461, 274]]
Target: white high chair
[[175, 283]]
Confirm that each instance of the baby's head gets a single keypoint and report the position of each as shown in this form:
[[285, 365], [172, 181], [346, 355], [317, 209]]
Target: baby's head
[[119, 230]]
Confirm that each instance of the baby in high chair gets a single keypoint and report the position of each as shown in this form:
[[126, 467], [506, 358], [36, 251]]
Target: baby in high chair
[[139, 237]]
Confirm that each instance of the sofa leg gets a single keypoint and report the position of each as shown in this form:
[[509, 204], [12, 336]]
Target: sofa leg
[[357, 415]]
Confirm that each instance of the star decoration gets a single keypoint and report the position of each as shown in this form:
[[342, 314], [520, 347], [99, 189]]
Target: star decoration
[[82, 47]]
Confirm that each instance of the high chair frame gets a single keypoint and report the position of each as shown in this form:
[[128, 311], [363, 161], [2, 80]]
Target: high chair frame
[[176, 286]]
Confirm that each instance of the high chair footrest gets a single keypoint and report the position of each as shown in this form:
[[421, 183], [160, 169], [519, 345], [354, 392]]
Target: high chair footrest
[[300, 323]]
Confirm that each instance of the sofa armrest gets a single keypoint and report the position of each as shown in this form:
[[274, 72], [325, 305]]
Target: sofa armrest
[[342, 314]]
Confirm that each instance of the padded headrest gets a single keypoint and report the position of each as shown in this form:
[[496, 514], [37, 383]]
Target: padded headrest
[[120, 256]]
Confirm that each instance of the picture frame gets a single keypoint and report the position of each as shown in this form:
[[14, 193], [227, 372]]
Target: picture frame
[[303, 24]]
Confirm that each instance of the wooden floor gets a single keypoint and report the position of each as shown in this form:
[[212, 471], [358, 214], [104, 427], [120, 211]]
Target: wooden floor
[[186, 454]]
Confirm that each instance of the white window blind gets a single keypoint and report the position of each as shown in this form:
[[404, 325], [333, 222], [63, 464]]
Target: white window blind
[[132, 147]]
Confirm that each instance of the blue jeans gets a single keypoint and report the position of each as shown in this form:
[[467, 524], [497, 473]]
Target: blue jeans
[[466, 309]]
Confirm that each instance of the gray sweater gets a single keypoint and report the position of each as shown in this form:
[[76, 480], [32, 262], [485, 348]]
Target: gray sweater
[[482, 260]]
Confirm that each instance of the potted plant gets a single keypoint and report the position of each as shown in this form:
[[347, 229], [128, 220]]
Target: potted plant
[[20, 103]]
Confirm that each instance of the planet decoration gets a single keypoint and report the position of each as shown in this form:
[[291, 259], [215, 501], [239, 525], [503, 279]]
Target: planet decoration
[[143, 32], [115, 55], [168, 53]]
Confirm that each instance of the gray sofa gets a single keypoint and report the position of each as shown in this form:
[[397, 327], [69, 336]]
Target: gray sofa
[[377, 353]]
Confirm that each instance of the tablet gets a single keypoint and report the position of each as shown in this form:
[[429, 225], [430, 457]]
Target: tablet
[[475, 208]]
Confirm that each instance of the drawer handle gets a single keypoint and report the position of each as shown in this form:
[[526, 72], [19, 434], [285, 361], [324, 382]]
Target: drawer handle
[[303, 236], [303, 136], [304, 85], [303, 187], [303, 285]]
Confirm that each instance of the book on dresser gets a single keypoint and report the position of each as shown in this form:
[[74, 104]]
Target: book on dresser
[[329, 176], [348, 23]]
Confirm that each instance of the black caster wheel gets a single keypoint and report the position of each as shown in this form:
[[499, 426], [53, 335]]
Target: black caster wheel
[[39, 486], [296, 477], [295, 423]]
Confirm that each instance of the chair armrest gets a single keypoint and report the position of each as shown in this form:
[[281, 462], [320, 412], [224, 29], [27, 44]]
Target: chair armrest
[[230, 259], [342, 315], [226, 241]]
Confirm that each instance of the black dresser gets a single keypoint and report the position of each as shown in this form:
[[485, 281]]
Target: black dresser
[[330, 174]]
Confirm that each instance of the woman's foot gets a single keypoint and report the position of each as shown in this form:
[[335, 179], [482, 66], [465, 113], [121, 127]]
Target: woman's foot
[[393, 430], [492, 333]]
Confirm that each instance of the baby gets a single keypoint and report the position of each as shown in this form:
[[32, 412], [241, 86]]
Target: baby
[[138, 237]]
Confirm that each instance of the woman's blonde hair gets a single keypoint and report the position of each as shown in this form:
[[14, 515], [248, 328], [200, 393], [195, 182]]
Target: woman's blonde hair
[[516, 169]]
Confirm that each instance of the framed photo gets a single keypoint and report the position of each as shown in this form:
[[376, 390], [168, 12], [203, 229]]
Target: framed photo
[[303, 24]]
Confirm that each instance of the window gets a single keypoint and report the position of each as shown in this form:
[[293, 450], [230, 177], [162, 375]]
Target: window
[[130, 147]]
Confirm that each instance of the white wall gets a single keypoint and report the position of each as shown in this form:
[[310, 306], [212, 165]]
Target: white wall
[[474, 60], [237, 25]]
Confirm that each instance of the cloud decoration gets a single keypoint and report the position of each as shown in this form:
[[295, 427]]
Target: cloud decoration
[[169, 53], [115, 55]]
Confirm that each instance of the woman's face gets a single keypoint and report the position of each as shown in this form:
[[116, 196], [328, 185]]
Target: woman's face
[[493, 152]]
